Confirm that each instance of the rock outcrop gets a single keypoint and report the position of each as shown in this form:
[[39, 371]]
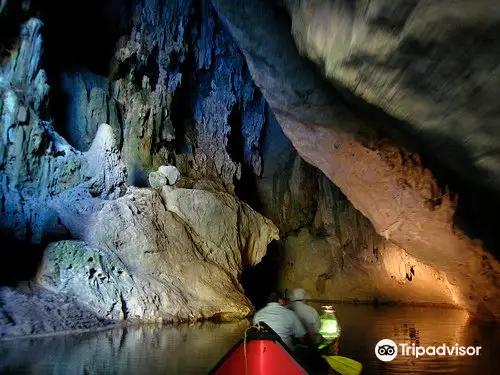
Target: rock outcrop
[[433, 65], [37, 166], [139, 254], [177, 92], [384, 182], [327, 246], [287, 190], [89, 104], [165, 175], [33, 310], [169, 256]]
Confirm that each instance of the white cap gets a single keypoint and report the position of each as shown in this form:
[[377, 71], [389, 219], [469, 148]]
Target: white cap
[[298, 295], [328, 308]]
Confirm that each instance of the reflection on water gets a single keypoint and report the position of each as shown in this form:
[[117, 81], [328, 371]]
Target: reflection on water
[[153, 350], [143, 350], [364, 326]]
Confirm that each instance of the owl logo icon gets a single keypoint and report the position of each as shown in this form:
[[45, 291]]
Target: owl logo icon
[[386, 350]]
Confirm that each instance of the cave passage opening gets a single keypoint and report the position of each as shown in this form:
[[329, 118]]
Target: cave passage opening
[[20, 261], [262, 279]]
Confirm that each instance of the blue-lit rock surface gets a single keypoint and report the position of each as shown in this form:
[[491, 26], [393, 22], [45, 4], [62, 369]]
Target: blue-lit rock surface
[[174, 265], [178, 90], [38, 166]]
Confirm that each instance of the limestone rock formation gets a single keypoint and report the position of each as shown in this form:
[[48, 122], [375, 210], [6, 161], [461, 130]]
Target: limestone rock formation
[[433, 65], [166, 175], [183, 93], [334, 251], [159, 264], [369, 270], [288, 186], [37, 164], [171, 173], [172, 256], [384, 182], [89, 104]]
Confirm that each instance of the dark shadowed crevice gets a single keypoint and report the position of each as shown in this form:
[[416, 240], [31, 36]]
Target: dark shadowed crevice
[[86, 31], [246, 189], [235, 142], [149, 69], [184, 97], [181, 108], [20, 260], [57, 109], [259, 281]]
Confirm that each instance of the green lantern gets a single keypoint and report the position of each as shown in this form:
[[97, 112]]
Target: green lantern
[[330, 328]]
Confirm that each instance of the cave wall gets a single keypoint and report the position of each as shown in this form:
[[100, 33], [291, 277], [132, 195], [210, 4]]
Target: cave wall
[[174, 91], [433, 65], [327, 246], [432, 70], [136, 253], [384, 180], [174, 88], [38, 167]]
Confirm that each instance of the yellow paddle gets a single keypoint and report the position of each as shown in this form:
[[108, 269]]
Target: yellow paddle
[[344, 365]]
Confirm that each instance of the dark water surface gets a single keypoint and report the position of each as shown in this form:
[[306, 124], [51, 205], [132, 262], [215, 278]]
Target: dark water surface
[[364, 326], [153, 350]]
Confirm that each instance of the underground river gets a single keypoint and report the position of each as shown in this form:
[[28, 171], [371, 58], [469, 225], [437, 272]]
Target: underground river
[[153, 350]]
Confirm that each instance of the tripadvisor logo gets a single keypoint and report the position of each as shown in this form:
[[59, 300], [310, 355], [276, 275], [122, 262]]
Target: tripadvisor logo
[[386, 350]]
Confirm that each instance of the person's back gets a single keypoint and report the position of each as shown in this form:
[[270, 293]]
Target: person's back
[[308, 316], [281, 320]]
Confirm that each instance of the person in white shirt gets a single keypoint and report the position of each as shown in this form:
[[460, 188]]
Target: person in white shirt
[[308, 316], [281, 320]]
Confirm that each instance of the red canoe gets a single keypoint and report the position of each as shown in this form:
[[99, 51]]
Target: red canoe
[[266, 354]]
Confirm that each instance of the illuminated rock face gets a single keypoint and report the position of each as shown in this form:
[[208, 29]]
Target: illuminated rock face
[[38, 166], [382, 273], [432, 65], [161, 256], [383, 181]]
